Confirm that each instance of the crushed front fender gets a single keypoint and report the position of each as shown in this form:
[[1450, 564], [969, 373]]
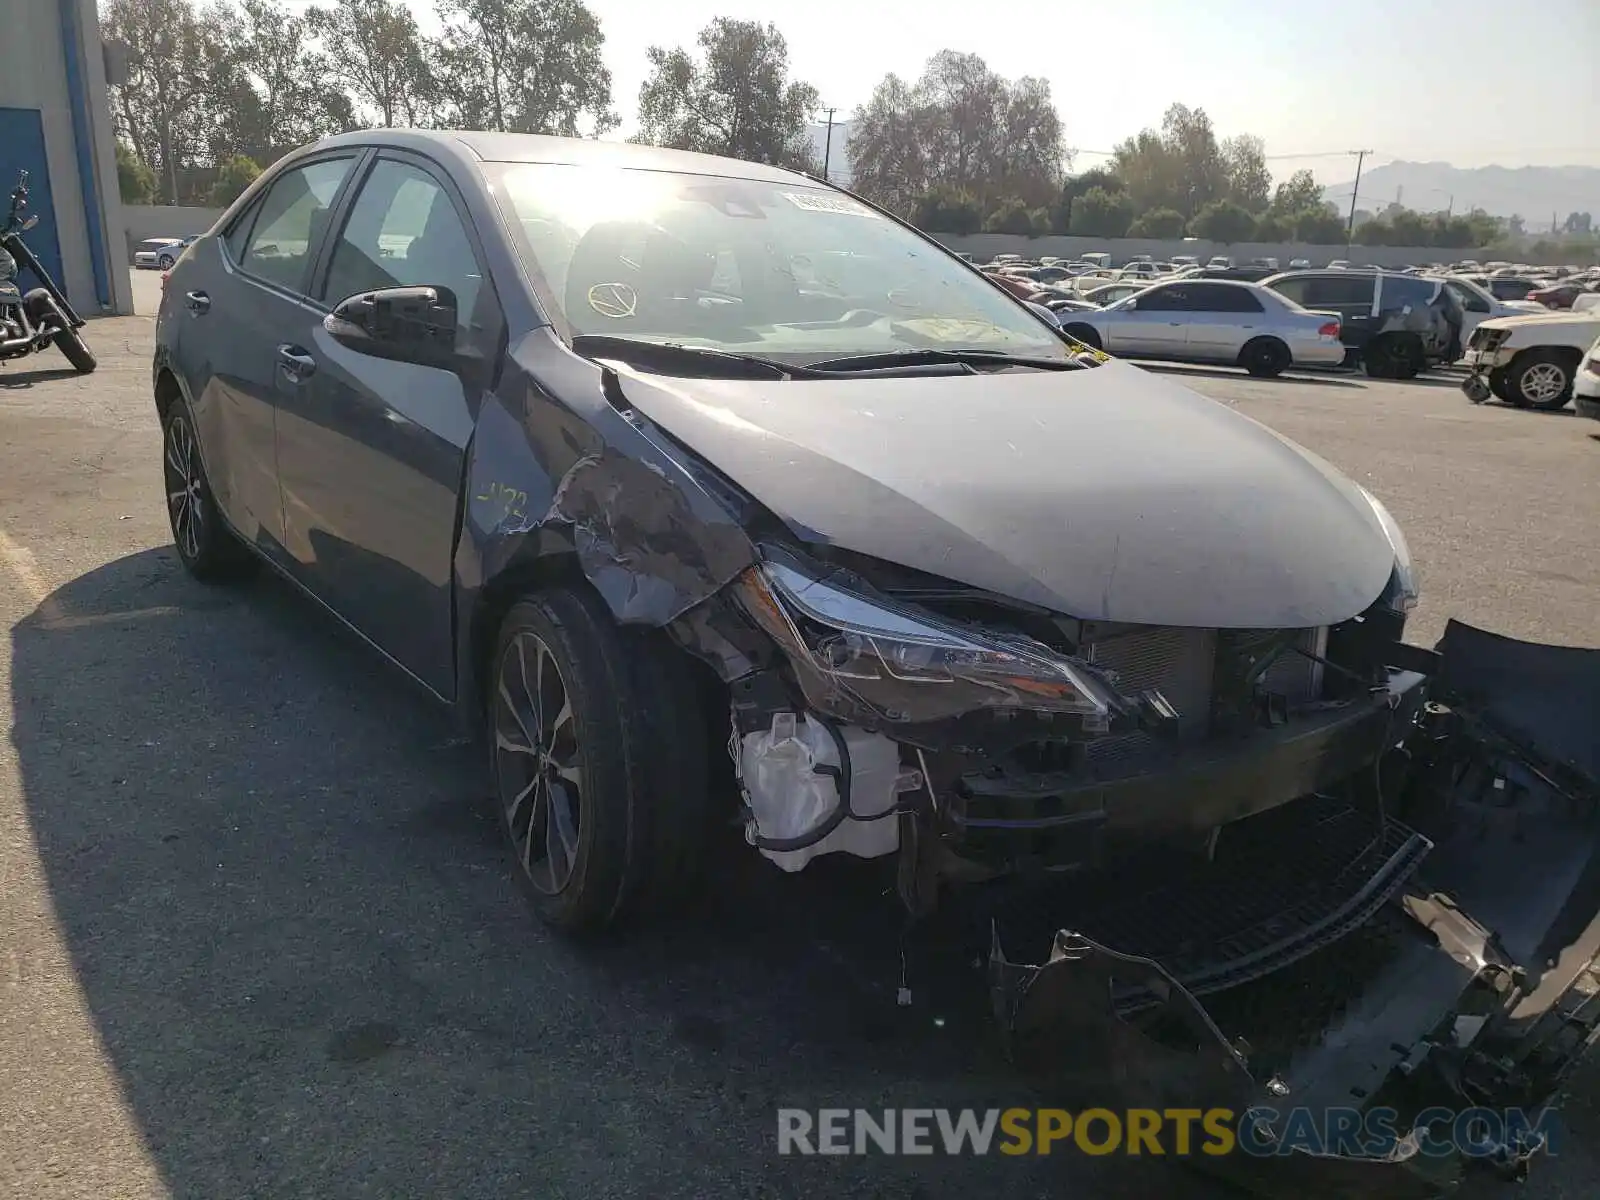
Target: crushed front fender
[[1435, 1032]]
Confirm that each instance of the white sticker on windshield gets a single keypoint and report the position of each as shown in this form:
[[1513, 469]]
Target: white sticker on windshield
[[825, 202]]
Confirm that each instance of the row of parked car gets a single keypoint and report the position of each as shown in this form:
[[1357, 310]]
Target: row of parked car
[[1392, 324]]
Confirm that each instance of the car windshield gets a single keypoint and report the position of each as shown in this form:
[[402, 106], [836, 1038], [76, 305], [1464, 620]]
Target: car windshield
[[783, 270]]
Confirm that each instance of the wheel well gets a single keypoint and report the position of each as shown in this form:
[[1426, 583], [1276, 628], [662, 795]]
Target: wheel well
[[1087, 334], [1564, 355], [1262, 340], [518, 579], [167, 390]]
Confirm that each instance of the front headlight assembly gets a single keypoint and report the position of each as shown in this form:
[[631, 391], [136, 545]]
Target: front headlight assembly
[[906, 665], [1402, 593]]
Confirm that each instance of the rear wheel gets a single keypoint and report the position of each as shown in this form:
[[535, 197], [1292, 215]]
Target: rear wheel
[[1540, 379], [165, 262], [1265, 357], [598, 759], [1393, 356], [207, 548]]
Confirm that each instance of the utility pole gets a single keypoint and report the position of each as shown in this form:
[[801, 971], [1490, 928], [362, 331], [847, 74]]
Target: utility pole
[[827, 144], [1355, 190]]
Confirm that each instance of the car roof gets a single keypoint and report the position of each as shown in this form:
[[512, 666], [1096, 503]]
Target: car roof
[[576, 151]]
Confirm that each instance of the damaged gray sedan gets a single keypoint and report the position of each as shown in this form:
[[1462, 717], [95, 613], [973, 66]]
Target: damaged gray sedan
[[668, 470]]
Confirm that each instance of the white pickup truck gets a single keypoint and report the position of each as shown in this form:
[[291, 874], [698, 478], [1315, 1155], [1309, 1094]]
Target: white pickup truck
[[1531, 361]]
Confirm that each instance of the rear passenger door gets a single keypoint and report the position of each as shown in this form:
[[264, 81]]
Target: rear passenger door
[[1223, 319], [245, 297]]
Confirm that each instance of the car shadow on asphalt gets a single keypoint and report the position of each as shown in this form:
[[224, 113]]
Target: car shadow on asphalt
[[307, 960], [1239, 375]]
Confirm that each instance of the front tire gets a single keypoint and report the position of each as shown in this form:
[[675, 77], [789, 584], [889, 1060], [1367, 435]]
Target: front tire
[[597, 752], [165, 262], [1540, 379], [1265, 358], [70, 342], [207, 548]]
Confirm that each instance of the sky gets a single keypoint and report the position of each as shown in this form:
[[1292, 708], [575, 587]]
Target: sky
[[1470, 82]]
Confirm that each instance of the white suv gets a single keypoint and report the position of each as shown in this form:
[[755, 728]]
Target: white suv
[[1586, 387], [1531, 361]]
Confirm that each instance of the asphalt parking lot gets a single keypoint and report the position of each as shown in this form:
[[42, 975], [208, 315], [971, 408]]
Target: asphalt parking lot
[[257, 939]]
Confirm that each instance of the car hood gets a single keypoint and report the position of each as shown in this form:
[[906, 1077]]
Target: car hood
[[1107, 494], [1548, 319]]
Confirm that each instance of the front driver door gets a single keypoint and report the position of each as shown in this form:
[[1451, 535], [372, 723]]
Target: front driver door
[[371, 452], [1154, 323]]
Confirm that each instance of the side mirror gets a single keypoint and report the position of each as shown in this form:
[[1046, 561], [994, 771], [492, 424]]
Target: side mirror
[[405, 324]]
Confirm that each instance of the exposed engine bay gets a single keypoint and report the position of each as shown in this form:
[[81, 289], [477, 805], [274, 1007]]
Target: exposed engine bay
[[1157, 817]]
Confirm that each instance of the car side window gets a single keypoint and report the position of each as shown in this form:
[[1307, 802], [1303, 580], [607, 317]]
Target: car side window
[[1400, 290], [1220, 298], [1296, 290], [1352, 292], [293, 215], [404, 231], [239, 235], [1166, 299], [1470, 300]]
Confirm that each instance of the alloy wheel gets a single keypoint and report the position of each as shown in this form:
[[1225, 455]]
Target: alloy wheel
[[539, 775], [1542, 382], [185, 487]]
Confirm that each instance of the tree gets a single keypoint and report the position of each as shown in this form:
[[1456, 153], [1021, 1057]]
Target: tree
[[1376, 232], [1319, 226], [1011, 216], [737, 101], [946, 209], [283, 93], [135, 180], [960, 125], [1223, 221], [1517, 226], [1180, 166], [234, 176], [179, 80], [376, 47], [1299, 193], [1270, 227], [1579, 223], [1410, 228], [1076, 185], [888, 157], [1245, 164], [523, 66], [1158, 223], [1099, 213]]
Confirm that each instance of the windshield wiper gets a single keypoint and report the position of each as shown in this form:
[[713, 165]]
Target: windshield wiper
[[673, 356], [934, 356]]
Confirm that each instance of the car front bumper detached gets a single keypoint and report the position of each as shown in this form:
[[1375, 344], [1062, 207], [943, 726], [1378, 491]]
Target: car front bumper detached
[[1409, 1010]]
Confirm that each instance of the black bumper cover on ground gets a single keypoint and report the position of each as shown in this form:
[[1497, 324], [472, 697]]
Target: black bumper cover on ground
[[1464, 983]]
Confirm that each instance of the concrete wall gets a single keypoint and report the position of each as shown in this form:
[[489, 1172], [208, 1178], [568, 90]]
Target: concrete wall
[[142, 221], [983, 246], [87, 210]]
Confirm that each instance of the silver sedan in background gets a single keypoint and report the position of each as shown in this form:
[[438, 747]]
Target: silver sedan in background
[[1213, 321]]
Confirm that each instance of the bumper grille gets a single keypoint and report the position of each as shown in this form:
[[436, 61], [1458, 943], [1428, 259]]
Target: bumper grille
[[1181, 664], [1487, 340]]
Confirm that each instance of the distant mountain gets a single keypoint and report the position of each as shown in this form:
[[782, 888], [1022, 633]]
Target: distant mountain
[[838, 158], [1530, 192]]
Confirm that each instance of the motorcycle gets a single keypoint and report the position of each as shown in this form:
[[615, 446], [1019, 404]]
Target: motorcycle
[[43, 316]]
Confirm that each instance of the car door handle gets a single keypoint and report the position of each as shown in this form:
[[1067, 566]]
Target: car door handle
[[295, 363], [198, 302]]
